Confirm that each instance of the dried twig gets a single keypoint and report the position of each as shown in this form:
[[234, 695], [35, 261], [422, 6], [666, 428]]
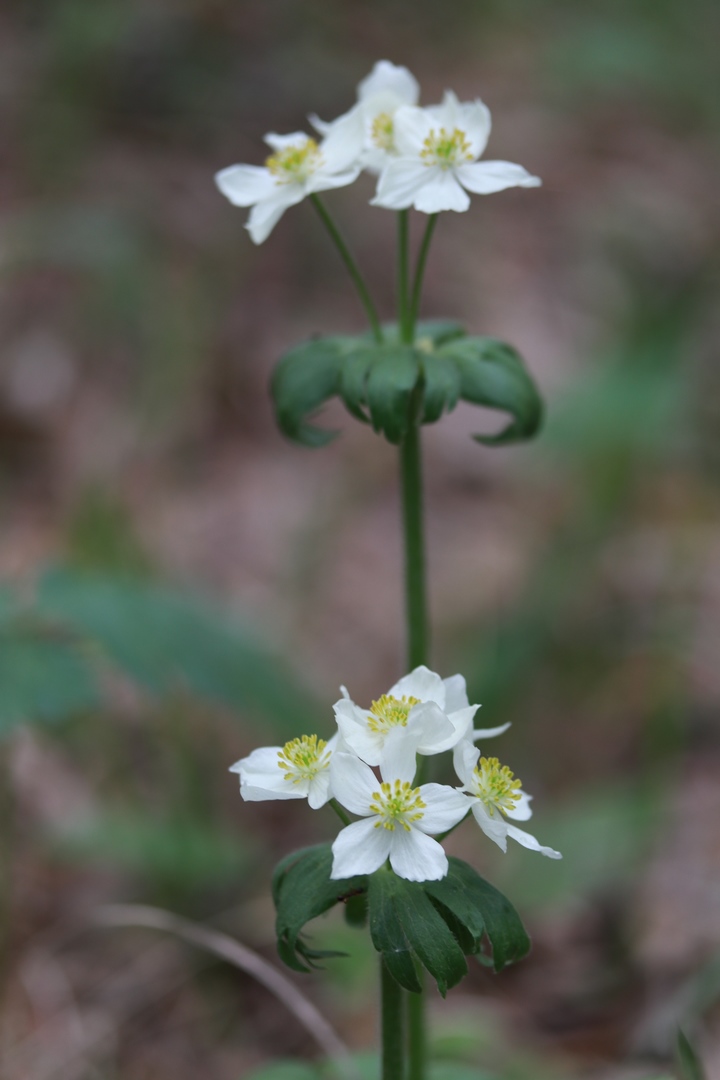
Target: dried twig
[[232, 951]]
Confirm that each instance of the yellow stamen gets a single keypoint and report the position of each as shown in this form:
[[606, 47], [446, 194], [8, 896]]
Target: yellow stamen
[[446, 148], [303, 758], [295, 163], [389, 711], [397, 803], [496, 785], [383, 132]]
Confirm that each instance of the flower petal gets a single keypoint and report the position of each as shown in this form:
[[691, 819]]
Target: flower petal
[[530, 842], [462, 723], [495, 827], [415, 856], [245, 185], [411, 127], [455, 693], [487, 177], [398, 754], [437, 731], [489, 732], [344, 142], [470, 117], [265, 215], [421, 683], [399, 183], [445, 807], [281, 142], [441, 192], [353, 783], [465, 758], [319, 790], [352, 723], [321, 180], [360, 848], [389, 78], [523, 810]]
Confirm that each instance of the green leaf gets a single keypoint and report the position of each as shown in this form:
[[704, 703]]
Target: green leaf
[[353, 380], [493, 374], [390, 383], [441, 386], [42, 680], [435, 331], [305, 378], [406, 927], [482, 910], [168, 641], [691, 1067], [302, 890]]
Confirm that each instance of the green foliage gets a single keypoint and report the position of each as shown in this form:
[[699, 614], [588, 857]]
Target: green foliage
[[688, 1060], [284, 1070], [166, 641], [42, 680], [302, 889], [385, 384], [435, 924]]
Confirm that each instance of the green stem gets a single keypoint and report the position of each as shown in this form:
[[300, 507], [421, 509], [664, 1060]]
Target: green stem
[[403, 254], [351, 265], [417, 1044], [415, 593], [339, 811], [420, 272], [393, 1056]]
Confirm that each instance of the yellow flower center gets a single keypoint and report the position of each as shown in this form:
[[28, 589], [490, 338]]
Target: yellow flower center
[[446, 148], [495, 785], [397, 803], [388, 711], [383, 131], [295, 163], [303, 758]]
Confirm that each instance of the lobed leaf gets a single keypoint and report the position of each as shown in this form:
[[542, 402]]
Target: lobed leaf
[[493, 374], [302, 381], [390, 384], [302, 890], [406, 927], [441, 386]]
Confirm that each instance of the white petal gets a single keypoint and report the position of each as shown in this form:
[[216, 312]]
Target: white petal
[[495, 827], [389, 78], [522, 811], [462, 721], [321, 180], [261, 789], [244, 185], [465, 758], [260, 761], [421, 683], [321, 126], [399, 183], [319, 791], [455, 693], [360, 848], [415, 856], [411, 128], [436, 731], [530, 842], [489, 732], [353, 783], [398, 754], [344, 142], [265, 215], [441, 192], [352, 724], [445, 807], [487, 177], [281, 142]]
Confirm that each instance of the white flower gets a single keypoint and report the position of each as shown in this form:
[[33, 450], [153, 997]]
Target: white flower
[[298, 166], [421, 713], [493, 792], [298, 770], [437, 159], [397, 821], [368, 126]]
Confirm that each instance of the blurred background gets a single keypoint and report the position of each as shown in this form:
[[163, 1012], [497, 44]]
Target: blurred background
[[178, 584]]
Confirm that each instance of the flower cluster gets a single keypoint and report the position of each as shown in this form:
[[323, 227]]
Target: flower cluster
[[426, 158], [369, 766]]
